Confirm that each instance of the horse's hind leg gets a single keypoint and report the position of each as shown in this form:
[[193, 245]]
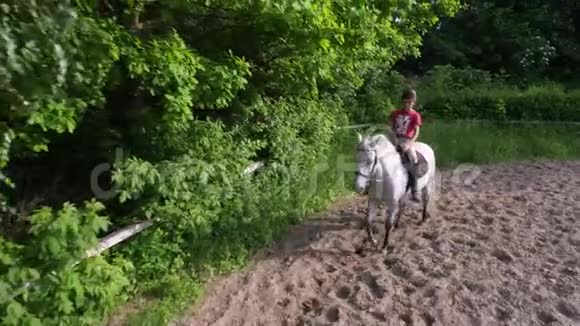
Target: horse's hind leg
[[402, 207], [426, 198], [389, 224]]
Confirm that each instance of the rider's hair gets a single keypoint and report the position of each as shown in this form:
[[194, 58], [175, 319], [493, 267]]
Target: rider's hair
[[409, 94]]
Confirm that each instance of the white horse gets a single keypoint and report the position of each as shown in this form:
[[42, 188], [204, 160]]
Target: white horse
[[381, 173]]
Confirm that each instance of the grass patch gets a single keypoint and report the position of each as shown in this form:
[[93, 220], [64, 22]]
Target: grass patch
[[483, 143], [168, 297]]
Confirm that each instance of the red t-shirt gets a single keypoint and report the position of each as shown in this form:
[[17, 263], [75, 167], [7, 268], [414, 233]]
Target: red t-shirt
[[405, 123]]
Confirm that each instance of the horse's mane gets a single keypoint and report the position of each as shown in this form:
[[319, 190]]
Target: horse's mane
[[382, 140], [378, 138]]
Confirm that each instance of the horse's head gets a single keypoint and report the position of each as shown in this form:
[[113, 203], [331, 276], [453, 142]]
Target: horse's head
[[366, 161]]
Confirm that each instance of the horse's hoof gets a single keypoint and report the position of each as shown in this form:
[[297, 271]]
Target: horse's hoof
[[422, 220], [415, 199]]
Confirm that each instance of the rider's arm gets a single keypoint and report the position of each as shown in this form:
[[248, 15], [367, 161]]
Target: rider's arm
[[416, 133], [391, 125], [418, 123]]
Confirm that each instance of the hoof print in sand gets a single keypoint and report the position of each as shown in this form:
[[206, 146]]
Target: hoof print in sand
[[429, 292], [429, 235], [333, 315], [568, 310], [284, 302], [312, 306], [474, 287], [502, 255], [318, 281], [359, 250], [569, 271], [414, 246], [418, 282], [371, 281], [401, 271], [301, 322], [331, 269], [407, 319], [429, 319], [502, 314], [409, 290], [380, 316], [487, 220], [546, 317], [343, 292]]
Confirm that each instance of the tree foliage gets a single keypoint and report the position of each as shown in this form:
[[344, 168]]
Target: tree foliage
[[521, 38]]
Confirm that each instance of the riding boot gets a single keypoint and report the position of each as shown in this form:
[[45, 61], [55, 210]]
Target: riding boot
[[413, 181]]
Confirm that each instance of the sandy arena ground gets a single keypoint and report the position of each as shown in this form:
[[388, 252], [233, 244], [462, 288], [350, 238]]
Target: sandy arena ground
[[503, 250]]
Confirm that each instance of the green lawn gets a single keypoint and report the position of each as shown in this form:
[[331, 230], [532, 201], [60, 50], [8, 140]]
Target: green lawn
[[480, 143]]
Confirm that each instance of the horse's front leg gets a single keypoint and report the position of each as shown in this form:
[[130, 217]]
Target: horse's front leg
[[371, 214], [390, 221]]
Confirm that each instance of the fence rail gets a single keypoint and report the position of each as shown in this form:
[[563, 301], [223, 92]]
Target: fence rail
[[358, 126]]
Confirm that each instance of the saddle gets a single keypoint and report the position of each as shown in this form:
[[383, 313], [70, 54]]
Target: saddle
[[421, 167]]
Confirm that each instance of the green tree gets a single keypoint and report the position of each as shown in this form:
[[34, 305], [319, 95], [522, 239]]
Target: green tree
[[523, 38]]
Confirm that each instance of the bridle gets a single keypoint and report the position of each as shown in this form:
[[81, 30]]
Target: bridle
[[372, 168]]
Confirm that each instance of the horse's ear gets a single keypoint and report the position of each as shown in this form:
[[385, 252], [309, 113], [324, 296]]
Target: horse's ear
[[359, 136], [377, 139]]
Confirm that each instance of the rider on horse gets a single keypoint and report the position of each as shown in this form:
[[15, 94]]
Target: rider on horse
[[405, 124]]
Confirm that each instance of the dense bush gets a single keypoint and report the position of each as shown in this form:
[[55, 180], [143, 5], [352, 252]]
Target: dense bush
[[192, 92], [380, 93], [449, 93]]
